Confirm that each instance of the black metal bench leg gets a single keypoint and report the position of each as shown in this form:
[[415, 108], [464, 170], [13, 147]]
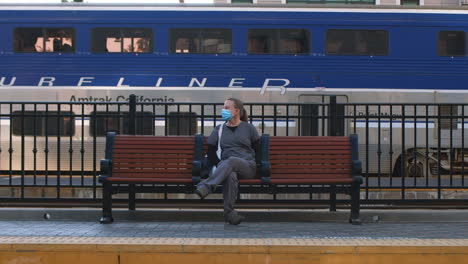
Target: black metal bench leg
[[355, 204], [107, 204], [131, 197], [333, 198]]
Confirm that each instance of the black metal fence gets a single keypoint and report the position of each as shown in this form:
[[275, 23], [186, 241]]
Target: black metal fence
[[411, 153]]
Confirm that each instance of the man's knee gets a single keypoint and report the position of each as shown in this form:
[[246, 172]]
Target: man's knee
[[233, 161]]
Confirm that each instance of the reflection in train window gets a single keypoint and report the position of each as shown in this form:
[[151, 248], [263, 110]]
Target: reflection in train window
[[44, 40], [123, 40], [182, 123], [120, 123], [452, 43], [200, 40], [450, 114], [357, 42], [409, 2], [41, 123], [278, 41]]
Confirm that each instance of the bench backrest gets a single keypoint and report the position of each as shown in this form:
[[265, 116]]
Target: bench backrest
[[309, 157], [165, 157]]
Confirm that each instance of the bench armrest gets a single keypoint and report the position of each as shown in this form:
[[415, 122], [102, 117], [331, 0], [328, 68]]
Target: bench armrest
[[196, 170], [264, 159], [357, 168], [197, 163], [106, 170], [264, 171]]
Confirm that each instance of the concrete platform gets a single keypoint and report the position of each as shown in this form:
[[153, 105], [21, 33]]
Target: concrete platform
[[199, 236], [253, 215]]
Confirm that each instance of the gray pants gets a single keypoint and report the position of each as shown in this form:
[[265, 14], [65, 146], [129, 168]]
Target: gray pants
[[227, 174]]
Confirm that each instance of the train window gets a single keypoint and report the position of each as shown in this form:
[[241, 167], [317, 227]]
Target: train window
[[331, 2], [278, 41], [200, 40], [122, 40], [356, 42], [450, 112], [44, 40], [452, 43], [41, 123], [182, 123], [119, 122], [410, 2]]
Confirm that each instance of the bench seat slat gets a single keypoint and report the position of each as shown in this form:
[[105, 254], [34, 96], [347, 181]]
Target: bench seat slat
[[308, 147], [153, 142], [149, 180], [323, 180], [149, 166], [142, 137], [250, 181], [156, 161], [309, 162], [281, 165], [151, 175], [152, 171], [317, 157], [322, 175], [308, 152], [156, 148], [153, 156], [306, 139], [146, 166], [153, 151], [311, 143]]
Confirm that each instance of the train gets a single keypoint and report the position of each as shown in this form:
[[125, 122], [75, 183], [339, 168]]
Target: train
[[96, 53]]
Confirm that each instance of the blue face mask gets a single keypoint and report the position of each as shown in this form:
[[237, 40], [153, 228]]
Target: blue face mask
[[226, 114]]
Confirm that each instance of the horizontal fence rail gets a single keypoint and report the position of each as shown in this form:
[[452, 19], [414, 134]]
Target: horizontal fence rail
[[410, 152]]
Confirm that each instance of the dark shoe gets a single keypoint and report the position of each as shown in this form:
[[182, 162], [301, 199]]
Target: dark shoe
[[202, 191], [235, 219]]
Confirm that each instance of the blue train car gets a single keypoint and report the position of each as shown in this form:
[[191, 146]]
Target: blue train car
[[195, 53]]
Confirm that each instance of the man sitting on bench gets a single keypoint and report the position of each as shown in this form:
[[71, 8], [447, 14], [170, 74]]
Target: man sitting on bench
[[233, 156]]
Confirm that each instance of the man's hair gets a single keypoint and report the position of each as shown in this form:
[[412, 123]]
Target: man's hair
[[239, 105]]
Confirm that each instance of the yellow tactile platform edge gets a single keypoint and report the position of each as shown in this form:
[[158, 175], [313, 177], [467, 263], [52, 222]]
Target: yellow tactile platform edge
[[189, 244], [124, 250]]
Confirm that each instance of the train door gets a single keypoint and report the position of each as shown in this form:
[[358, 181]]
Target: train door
[[315, 115], [448, 124]]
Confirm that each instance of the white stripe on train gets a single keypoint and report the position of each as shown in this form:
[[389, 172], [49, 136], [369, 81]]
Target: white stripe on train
[[181, 8], [252, 89]]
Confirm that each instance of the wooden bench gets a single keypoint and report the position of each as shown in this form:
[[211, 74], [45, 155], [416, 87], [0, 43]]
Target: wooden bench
[[285, 165], [329, 161]]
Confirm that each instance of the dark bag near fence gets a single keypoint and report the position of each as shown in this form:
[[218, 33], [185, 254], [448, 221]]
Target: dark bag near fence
[[206, 168]]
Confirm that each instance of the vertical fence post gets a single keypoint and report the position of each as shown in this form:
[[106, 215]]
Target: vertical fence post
[[132, 131], [132, 115], [22, 150], [332, 109], [332, 113]]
